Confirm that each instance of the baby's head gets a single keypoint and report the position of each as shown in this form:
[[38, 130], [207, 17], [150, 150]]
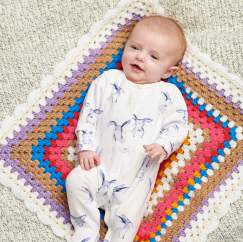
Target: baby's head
[[154, 48]]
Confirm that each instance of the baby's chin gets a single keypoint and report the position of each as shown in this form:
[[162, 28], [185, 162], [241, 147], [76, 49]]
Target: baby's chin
[[137, 80]]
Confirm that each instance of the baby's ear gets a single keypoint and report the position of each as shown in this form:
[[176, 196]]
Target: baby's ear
[[172, 70]]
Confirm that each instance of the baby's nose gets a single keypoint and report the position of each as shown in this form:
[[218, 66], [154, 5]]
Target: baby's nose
[[141, 55]]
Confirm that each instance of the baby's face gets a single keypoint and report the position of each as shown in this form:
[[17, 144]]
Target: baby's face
[[148, 55]]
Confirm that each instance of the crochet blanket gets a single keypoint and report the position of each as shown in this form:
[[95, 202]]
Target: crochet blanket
[[194, 186]]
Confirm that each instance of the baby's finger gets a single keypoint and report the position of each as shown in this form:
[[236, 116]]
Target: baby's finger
[[145, 147], [151, 151], [161, 158], [97, 160], [91, 163], [86, 163], [156, 155], [148, 149], [81, 162]]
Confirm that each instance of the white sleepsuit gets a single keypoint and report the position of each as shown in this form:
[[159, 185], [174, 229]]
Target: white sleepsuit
[[118, 117]]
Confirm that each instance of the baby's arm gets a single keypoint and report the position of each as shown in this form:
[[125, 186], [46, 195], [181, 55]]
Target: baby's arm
[[87, 123], [173, 131]]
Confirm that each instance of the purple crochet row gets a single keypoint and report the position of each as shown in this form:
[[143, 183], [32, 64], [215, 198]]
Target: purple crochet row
[[205, 202], [38, 117]]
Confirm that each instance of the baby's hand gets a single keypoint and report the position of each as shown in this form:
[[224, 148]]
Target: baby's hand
[[88, 159], [155, 152]]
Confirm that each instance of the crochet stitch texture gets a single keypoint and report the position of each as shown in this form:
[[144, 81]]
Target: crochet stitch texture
[[38, 143]]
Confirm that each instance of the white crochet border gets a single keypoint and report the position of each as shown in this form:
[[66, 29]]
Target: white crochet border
[[217, 207], [48, 84]]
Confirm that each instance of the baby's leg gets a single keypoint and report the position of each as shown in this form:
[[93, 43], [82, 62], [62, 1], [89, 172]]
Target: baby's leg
[[81, 186], [125, 218]]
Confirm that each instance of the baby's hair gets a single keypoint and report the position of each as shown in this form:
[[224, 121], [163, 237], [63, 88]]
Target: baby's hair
[[158, 22]]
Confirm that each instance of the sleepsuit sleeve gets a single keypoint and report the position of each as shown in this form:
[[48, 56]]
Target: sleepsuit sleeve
[[174, 126], [91, 110]]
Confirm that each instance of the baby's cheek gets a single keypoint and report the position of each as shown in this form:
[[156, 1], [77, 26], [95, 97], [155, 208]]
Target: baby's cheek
[[124, 59]]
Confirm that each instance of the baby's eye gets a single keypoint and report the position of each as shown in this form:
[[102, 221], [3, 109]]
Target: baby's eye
[[154, 57], [134, 47]]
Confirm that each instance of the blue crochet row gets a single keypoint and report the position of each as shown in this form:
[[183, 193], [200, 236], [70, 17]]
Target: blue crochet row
[[38, 151]]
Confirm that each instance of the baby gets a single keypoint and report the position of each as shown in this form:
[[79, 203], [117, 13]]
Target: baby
[[130, 122]]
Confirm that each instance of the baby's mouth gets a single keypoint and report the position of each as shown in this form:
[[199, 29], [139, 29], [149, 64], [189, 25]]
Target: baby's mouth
[[136, 67]]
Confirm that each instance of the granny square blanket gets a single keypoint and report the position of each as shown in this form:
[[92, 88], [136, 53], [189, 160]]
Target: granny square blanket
[[194, 186]]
